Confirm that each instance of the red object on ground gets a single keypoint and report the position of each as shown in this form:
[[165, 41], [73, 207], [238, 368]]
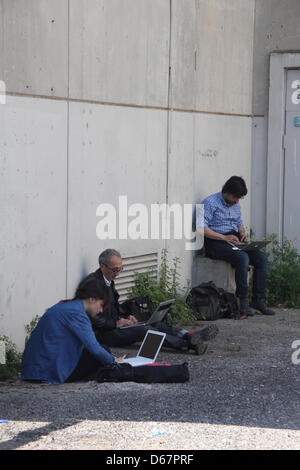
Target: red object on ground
[[157, 364]]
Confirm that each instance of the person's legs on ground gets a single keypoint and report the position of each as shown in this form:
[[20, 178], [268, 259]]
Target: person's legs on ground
[[176, 338], [180, 339], [120, 337]]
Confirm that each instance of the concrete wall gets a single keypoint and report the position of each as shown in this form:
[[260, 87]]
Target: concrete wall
[[33, 195], [277, 28], [212, 53], [91, 115]]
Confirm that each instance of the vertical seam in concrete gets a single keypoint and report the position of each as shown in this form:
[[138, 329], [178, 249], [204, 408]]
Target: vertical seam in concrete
[[252, 122], [285, 72], [169, 111], [68, 132]]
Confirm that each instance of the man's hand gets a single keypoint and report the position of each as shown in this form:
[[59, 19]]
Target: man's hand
[[123, 322], [231, 239], [244, 238], [132, 319]]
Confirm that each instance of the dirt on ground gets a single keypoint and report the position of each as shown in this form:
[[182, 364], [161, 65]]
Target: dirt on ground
[[244, 393]]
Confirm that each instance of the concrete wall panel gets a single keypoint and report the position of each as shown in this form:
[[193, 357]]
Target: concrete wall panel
[[212, 55], [119, 51], [34, 46], [33, 136], [113, 151]]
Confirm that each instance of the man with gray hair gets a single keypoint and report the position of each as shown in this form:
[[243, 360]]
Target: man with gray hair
[[107, 327]]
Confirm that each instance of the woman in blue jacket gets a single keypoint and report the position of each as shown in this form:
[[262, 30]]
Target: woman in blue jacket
[[63, 347]]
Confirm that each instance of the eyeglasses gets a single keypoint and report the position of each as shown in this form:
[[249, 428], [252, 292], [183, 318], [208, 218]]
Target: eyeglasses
[[114, 270]]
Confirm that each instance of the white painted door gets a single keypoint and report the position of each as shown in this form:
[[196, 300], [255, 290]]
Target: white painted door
[[291, 215]]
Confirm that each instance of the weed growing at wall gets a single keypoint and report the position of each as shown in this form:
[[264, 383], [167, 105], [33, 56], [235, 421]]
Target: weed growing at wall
[[165, 287], [283, 274], [13, 360], [30, 327]]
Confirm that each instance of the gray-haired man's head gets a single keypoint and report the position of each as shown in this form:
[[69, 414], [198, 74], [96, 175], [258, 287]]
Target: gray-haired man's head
[[110, 262]]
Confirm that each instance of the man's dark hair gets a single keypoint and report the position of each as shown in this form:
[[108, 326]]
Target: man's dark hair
[[94, 288], [235, 186]]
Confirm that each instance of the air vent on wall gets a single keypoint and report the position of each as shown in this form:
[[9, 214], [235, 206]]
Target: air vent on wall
[[131, 265]]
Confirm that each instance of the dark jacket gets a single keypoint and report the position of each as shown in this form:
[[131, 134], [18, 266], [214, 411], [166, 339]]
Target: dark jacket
[[107, 320]]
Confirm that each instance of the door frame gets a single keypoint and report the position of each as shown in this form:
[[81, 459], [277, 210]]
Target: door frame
[[280, 62]]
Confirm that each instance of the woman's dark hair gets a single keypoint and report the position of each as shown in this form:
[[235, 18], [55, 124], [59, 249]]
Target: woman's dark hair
[[90, 287], [235, 186]]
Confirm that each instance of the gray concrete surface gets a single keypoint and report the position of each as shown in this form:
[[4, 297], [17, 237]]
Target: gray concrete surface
[[243, 394]]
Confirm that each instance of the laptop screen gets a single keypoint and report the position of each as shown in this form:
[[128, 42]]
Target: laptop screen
[[150, 346]]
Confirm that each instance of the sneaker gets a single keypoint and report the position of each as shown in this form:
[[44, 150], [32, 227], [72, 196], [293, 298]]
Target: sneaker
[[200, 348], [245, 310], [198, 338], [206, 333], [262, 307]]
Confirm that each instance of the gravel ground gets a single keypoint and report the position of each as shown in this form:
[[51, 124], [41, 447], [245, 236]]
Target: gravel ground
[[243, 394]]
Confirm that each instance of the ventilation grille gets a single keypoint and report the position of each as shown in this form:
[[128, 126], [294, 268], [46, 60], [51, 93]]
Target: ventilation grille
[[131, 265]]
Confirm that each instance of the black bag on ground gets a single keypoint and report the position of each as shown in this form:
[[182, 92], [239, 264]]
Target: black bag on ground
[[205, 301], [230, 305], [144, 374], [140, 307], [210, 302]]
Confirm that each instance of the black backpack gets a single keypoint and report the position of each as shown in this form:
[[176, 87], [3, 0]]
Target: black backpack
[[210, 303]]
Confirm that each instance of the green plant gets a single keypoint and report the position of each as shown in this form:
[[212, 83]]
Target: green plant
[[165, 287], [30, 327], [13, 360], [283, 273]]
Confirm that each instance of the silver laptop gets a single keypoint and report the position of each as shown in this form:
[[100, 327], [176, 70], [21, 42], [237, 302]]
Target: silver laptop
[[156, 317], [251, 246], [149, 349]]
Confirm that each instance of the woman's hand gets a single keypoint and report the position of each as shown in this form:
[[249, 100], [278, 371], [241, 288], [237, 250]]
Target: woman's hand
[[120, 359]]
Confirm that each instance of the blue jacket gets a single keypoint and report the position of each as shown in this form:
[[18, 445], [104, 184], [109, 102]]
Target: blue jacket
[[56, 344]]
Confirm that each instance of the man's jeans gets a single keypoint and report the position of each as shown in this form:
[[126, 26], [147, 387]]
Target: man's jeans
[[218, 249]]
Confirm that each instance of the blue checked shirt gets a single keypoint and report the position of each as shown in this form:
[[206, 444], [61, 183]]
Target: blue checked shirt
[[219, 217]]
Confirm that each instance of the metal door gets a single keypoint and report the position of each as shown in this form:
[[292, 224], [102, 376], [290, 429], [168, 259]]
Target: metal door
[[291, 204]]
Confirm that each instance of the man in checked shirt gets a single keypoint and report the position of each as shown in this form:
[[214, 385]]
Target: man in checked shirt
[[223, 226]]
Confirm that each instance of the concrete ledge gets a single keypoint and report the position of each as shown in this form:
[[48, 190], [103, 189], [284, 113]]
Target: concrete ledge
[[220, 272]]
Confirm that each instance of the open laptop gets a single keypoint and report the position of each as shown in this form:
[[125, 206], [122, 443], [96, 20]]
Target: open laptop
[[157, 316], [251, 246], [149, 349]]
